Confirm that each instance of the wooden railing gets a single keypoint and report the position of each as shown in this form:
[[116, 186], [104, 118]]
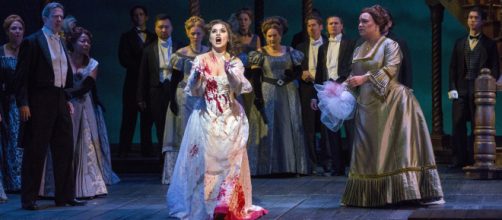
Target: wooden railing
[[485, 145]]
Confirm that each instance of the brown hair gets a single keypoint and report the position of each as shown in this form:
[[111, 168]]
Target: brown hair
[[379, 15], [313, 17], [11, 19], [245, 11], [275, 22], [232, 44]]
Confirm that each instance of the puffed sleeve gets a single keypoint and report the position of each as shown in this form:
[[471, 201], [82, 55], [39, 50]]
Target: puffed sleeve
[[236, 78], [255, 58], [194, 86], [392, 60], [92, 65], [176, 62], [296, 56]]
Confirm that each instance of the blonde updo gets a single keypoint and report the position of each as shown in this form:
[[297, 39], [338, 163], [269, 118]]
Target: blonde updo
[[194, 21]]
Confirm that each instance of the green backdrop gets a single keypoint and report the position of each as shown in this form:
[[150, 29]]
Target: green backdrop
[[107, 19]]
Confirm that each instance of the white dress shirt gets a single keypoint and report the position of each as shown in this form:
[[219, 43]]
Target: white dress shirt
[[165, 51], [332, 56], [473, 41], [313, 49], [58, 57], [141, 34]]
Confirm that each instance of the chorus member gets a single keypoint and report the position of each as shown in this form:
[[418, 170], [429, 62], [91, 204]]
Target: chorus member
[[275, 68], [44, 72], [131, 47], [470, 54], [180, 65], [155, 78], [248, 41], [12, 152], [335, 59], [311, 121]]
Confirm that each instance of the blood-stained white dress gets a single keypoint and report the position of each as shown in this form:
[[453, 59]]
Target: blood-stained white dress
[[211, 176]]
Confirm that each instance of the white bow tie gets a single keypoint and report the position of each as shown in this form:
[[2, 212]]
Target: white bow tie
[[54, 37], [316, 43]]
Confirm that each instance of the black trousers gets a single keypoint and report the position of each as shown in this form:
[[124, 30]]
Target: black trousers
[[157, 106], [309, 119], [50, 124], [130, 112], [332, 151], [463, 110]]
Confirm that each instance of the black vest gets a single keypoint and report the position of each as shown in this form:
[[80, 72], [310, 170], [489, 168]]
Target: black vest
[[472, 60]]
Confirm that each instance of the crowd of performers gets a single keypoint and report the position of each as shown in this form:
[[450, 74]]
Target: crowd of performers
[[227, 110]]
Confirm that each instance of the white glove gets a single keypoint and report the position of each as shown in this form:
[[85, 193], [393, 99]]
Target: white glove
[[453, 94]]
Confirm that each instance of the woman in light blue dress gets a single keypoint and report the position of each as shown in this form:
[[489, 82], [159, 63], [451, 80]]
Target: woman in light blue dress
[[181, 64], [275, 68]]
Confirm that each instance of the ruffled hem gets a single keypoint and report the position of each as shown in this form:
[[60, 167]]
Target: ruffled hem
[[422, 184], [169, 163], [254, 212]]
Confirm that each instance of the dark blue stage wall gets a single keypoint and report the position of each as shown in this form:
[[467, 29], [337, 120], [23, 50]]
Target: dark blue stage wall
[[107, 19]]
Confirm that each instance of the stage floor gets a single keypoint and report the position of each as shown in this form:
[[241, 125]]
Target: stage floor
[[143, 197]]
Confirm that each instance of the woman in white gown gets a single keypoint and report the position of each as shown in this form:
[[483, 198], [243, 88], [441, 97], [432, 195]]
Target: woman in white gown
[[211, 177]]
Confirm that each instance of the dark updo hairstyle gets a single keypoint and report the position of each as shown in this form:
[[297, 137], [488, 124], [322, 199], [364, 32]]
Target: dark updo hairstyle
[[379, 15], [275, 22], [246, 11], [232, 44], [75, 34]]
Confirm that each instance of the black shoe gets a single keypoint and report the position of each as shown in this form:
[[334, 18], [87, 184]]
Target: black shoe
[[456, 166], [30, 206], [73, 202], [147, 153], [338, 173]]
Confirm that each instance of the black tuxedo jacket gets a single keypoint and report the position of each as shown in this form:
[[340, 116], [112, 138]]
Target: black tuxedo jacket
[[304, 47], [34, 68], [150, 69], [130, 52], [344, 61], [489, 59]]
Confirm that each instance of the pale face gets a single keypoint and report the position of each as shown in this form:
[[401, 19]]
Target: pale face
[[82, 45], [195, 34], [314, 29], [244, 21], [15, 32], [55, 20], [218, 37], [163, 29], [367, 26], [139, 17], [273, 37], [334, 26], [474, 21]]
